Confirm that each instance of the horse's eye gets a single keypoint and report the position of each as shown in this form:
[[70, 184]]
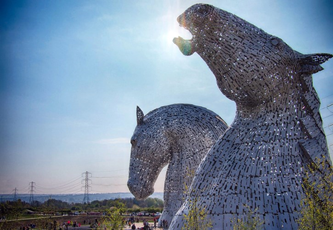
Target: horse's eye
[[275, 41], [203, 10], [133, 142]]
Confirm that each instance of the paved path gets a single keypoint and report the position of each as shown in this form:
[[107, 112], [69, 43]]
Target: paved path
[[138, 225]]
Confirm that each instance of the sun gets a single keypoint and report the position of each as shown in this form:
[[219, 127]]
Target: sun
[[171, 30], [174, 31], [171, 34]]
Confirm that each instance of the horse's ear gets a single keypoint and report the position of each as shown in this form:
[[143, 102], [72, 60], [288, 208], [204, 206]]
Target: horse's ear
[[139, 116], [310, 63]]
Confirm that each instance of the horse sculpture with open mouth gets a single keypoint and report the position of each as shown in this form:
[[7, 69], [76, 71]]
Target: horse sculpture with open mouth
[[179, 135], [259, 162]]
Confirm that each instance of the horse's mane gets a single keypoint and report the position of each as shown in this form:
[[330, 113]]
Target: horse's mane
[[314, 145], [184, 111]]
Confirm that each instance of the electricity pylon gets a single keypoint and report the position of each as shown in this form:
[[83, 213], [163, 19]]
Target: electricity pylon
[[32, 186], [15, 195], [86, 186]]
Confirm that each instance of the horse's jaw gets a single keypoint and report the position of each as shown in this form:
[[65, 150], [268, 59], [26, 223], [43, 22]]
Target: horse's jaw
[[139, 192]]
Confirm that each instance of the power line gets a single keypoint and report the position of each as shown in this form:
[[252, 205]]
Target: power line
[[327, 116], [110, 184], [62, 188], [327, 96], [73, 188], [74, 185], [328, 107], [108, 177], [110, 171], [64, 185], [328, 126]]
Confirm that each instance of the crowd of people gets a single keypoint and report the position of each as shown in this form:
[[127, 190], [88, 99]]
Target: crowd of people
[[132, 223], [146, 225]]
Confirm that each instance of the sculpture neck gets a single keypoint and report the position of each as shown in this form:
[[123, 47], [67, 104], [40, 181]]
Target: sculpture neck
[[280, 105]]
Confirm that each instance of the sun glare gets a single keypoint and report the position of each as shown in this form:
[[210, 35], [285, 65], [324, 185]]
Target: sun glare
[[173, 31], [176, 31]]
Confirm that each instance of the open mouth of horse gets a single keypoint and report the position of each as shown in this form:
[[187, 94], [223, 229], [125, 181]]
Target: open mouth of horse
[[184, 45]]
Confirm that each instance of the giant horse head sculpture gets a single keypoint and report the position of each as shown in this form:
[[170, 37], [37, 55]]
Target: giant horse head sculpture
[[259, 162], [179, 135], [251, 66]]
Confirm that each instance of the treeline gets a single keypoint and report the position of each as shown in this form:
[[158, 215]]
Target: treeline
[[16, 209], [129, 203]]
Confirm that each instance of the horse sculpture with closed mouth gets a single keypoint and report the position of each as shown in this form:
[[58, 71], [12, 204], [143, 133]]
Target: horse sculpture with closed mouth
[[258, 163], [179, 135]]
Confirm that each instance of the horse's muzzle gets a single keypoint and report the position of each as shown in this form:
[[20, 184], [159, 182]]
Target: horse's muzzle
[[139, 192]]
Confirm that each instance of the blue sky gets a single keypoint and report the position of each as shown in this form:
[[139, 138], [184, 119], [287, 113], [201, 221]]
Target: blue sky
[[73, 72]]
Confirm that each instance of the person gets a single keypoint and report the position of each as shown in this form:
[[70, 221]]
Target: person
[[145, 225], [133, 227]]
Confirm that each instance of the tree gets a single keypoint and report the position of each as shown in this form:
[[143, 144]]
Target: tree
[[317, 203], [196, 218], [120, 207], [113, 219], [251, 221]]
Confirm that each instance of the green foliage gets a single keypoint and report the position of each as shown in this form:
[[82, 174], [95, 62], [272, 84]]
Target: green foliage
[[251, 221], [317, 204], [12, 209], [18, 209], [113, 220], [196, 218], [150, 210]]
